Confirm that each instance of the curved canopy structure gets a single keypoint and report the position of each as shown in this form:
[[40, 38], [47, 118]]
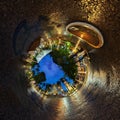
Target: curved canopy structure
[[87, 33]]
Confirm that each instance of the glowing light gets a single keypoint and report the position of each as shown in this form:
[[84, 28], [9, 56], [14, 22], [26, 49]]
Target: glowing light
[[76, 46]]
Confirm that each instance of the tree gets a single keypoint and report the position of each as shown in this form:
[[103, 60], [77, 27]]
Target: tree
[[40, 77]]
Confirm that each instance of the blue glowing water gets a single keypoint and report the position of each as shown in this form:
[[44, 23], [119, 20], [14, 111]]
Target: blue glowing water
[[53, 72]]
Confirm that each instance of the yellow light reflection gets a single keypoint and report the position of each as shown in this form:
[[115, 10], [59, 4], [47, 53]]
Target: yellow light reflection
[[76, 46], [61, 109], [94, 9], [66, 104], [75, 98]]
